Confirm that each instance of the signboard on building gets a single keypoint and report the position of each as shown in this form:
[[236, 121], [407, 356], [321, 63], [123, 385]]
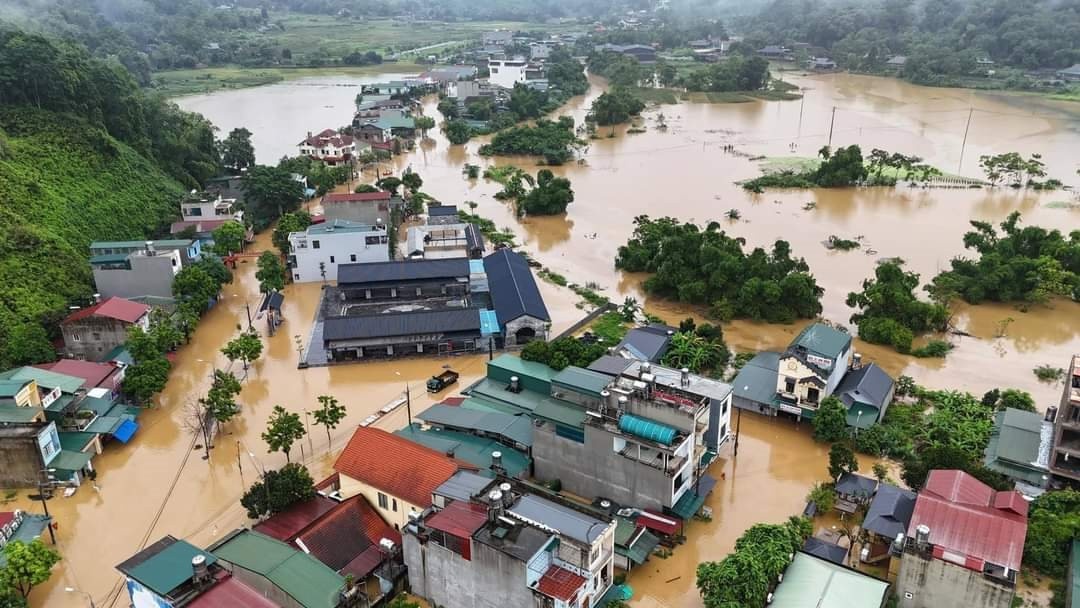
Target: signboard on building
[[49, 443], [819, 361], [791, 409]]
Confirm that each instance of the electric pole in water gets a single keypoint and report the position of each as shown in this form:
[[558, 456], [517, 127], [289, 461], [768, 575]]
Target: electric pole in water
[[964, 143], [831, 122]]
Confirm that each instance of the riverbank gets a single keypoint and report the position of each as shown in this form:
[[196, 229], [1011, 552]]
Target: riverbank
[[179, 83]]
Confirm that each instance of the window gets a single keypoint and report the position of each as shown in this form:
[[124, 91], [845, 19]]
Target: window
[[371, 240], [76, 337], [296, 277], [331, 259], [97, 336], [314, 244], [494, 70], [352, 257], [812, 395], [383, 502], [394, 505], [789, 385], [724, 409]]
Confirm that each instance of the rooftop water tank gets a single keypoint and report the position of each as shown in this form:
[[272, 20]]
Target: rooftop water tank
[[647, 429]]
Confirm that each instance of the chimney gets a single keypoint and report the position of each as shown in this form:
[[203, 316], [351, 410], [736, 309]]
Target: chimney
[[494, 506], [515, 384], [684, 377], [507, 495]]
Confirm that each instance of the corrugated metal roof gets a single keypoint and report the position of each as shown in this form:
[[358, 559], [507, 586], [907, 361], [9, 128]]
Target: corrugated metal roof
[[960, 512], [441, 210], [514, 428], [460, 518], [890, 511], [463, 485], [611, 365], [164, 565], [561, 412], [560, 583], [284, 526], [1018, 436], [402, 324], [825, 550], [810, 581], [306, 580], [402, 270], [647, 343], [822, 340], [20, 414], [231, 592], [468, 448], [868, 384], [756, 380], [582, 380], [513, 288], [45, 378], [567, 521]]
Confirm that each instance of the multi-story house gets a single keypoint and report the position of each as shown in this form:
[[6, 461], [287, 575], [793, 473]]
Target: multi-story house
[[146, 272], [1065, 457], [371, 208], [811, 368], [314, 254], [190, 249], [963, 545], [329, 146], [509, 546], [209, 206], [93, 332]]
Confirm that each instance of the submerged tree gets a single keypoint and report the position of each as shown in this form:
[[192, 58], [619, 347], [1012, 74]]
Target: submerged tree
[[283, 429], [329, 414], [278, 490]]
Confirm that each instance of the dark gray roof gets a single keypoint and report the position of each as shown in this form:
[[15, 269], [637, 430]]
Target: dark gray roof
[[890, 511], [756, 381], [647, 343], [463, 485], [852, 484], [442, 210], [868, 384], [514, 292], [567, 521], [403, 270], [825, 550], [402, 324], [272, 300], [611, 365], [474, 239], [518, 429]]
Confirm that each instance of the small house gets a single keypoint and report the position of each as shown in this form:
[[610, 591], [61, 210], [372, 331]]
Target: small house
[[886, 520], [821, 64], [1019, 449], [93, 332], [854, 491], [649, 343], [866, 391], [773, 51], [1070, 74], [811, 369]]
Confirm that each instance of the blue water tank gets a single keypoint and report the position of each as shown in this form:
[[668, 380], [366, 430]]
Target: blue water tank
[[647, 429]]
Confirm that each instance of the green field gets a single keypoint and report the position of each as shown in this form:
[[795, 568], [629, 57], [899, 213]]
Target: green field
[[175, 83]]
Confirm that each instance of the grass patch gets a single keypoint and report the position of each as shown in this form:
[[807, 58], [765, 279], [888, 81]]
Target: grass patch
[[610, 326], [655, 95], [716, 97], [488, 229], [175, 83], [552, 277]]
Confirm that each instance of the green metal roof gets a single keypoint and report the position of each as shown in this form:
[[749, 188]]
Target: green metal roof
[[688, 505], [45, 378], [810, 581], [97, 405], [756, 380], [70, 460], [15, 414], [61, 403], [169, 568], [866, 420], [641, 549], [396, 122], [109, 258], [1014, 446], [533, 376], [469, 448], [582, 380], [140, 244], [306, 580], [11, 388], [561, 412], [120, 354], [75, 441], [823, 340], [30, 528]]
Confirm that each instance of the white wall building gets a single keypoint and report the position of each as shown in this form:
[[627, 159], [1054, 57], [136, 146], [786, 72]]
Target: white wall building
[[507, 72], [207, 206], [329, 146], [335, 242]]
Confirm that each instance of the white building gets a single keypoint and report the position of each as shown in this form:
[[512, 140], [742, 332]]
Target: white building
[[329, 146], [208, 206], [507, 72], [314, 254]]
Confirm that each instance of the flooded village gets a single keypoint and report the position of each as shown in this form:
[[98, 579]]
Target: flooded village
[[469, 475]]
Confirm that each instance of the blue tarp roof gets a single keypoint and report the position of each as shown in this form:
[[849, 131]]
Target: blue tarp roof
[[126, 430]]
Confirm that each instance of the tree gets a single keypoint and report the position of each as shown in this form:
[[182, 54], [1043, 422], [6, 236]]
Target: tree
[[199, 283], [457, 131], [278, 490], [229, 238], [888, 311], [843, 168], [220, 401], [448, 108], [917, 466], [830, 421], [297, 221], [744, 577], [425, 123], [842, 460], [246, 348], [823, 495], [615, 106], [389, 184], [551, 195], [283, 430], [881, 472], [28, 565], [149, 371], [237, 153], [329, 414], [269, 193], [1053, 524], [271, 272], [366, 188], [412, 181], [1016, 399], [26, 344]]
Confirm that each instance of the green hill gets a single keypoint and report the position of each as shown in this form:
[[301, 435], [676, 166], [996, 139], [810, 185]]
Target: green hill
[[65, 183]]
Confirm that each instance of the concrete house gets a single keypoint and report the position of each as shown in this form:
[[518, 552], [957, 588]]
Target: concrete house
[[395, 476], [93, 332], [369, 208], [173, 572], [867, 391], [329, 146], [26, 450], [190, 249], [314, 254], [1065, 457], [1071, 74], [146, 272], [209, 205], [950, 557], [811, 368], [510, 546], [887, 518], [507, 72], [441, 241]]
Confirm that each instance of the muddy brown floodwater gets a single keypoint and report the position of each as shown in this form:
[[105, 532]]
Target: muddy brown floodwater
[[158, 484]]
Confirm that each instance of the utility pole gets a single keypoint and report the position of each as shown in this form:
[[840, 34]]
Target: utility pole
[[964, 143], [738, 427], [802, 102], [832, 121], [408, 404], [239, 464], [307, 430], [47, 474]]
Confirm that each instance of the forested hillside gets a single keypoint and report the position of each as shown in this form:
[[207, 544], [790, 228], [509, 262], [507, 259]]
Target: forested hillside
[[84, 155]]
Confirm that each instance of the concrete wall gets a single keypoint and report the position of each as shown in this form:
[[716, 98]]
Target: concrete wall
[[398, 518], [364, 212], [334, 248], [20, 462], [594, 469], [92, 338], [491, 580], [934, 583], [839, 370], [148, 276], [538, 325]]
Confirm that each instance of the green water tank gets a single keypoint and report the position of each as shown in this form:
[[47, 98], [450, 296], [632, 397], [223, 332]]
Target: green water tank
[[647, 429]]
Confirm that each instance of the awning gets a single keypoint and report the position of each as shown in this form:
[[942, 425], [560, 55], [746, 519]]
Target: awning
[[689, 504], [70, 461], [660, 523], [642, 548], [126, 430], [104, 425], [705, 485]]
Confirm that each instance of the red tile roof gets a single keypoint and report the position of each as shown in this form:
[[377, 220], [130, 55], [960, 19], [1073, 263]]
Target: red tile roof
[[93, 374], [230, 593], [328, 136], [970, 523], [362, 565], [462, 519], [355, 197], [6, 517], [113, 308], [338, 537], [285, 526], [396, 465], [560, 583]]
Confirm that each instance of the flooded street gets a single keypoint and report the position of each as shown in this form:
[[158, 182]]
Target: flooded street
[[158, 484]]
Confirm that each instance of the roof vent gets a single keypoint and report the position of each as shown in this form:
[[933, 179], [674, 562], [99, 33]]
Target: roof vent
[[200, 571], [515, 385], [922, 536]]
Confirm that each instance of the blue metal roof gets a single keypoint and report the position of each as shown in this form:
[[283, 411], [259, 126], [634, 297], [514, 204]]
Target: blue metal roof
[[476, 267], [489, 323], [513, 289], [126, 430], [646, 429]]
